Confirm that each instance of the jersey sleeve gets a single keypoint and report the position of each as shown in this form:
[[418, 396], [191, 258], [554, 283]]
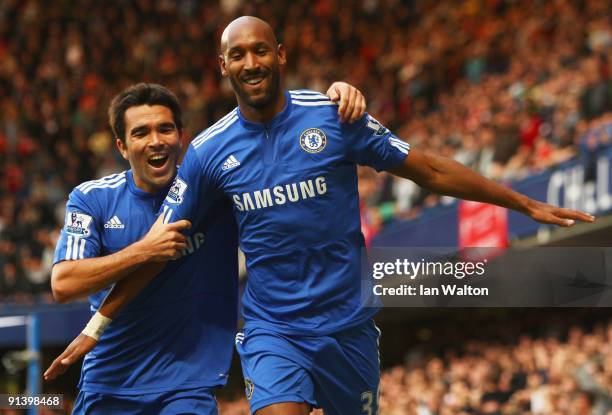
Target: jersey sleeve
[[80, 236], [189, 196], [371, 144]]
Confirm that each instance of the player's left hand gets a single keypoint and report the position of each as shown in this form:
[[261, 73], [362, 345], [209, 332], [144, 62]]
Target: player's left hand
[[553, 215], [352, 102], [78, 348]]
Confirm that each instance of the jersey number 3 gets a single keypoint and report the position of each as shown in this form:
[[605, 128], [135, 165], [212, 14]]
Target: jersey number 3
[[369, 407]]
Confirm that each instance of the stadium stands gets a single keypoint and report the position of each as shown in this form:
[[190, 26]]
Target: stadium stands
[[507, 87], [548, 375]]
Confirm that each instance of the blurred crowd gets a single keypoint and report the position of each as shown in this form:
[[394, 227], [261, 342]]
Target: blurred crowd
[[507, 87], [534, 376]]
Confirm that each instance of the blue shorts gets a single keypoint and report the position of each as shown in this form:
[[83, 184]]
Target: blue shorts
[[339, 372], [192, 401]]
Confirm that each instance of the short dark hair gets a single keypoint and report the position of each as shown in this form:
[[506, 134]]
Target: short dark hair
[[141, 94]]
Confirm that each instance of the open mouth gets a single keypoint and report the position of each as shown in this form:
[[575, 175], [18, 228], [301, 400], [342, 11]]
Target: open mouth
[[253, 80], [158, 160]]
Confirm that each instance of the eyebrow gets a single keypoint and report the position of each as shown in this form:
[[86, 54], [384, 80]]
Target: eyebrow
[[139, 129], [167, 124], [143, 128], [254, 46], [235, 49]]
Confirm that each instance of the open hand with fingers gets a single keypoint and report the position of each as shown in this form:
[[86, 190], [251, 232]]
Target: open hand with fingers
[[352, 104], [545, 213], [76, 350]]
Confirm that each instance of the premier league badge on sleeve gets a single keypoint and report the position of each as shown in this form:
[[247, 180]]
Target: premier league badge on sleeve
[[176, 192], [375, 125], [78, 223], [313, 140]]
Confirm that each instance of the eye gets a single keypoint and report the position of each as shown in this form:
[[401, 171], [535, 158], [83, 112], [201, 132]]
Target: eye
[[166, 129]]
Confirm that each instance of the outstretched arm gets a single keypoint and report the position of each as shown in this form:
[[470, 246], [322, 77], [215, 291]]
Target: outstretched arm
[[448, 177]]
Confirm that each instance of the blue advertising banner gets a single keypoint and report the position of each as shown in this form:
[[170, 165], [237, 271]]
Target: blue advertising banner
[[58, 323]]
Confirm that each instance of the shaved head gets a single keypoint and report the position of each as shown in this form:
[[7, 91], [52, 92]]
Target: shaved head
[[246, 23], [251, 57]]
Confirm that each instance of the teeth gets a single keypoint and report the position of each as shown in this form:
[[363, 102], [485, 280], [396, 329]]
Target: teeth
[[155, 158], [253, 81]]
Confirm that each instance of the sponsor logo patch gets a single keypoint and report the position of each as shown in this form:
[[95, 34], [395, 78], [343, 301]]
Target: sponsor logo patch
[[77, 223], [176, 192], [313, 140]]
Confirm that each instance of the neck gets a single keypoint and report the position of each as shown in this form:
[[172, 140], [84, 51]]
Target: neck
[[148, 187], [144, 186], [263, 114]]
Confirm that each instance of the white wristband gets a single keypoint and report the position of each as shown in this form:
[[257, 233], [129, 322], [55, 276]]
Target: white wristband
[[96, 326]]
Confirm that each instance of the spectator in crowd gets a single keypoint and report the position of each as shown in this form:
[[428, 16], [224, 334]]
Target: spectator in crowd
[[507, 87], [536, 376]]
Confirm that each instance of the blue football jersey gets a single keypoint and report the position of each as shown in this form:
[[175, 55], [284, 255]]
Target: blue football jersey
[[293, 184], [179, 331]]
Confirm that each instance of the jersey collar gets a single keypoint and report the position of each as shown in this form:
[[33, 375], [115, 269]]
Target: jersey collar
[[278, 118], [141, 193]]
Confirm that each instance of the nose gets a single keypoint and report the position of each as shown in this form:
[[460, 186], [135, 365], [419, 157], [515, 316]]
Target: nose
[[155, 139], [251, 61]]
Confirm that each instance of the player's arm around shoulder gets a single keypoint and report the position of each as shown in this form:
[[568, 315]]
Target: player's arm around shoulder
[[79, 268]]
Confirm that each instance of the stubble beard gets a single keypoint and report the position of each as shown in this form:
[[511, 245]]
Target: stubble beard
[[268, 97]]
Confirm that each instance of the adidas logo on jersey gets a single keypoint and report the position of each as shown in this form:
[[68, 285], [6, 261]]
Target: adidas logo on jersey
[[230, 163], [114, 223]]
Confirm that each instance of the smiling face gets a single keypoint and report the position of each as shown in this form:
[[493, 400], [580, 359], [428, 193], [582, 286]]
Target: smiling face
[[251, 58], [152, 146]]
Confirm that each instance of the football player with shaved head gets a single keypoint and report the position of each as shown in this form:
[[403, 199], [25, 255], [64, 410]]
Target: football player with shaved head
[[308, 340]]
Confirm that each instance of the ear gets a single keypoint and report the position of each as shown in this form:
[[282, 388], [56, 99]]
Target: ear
[[224, 72], [282, 56], [122, 148]]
